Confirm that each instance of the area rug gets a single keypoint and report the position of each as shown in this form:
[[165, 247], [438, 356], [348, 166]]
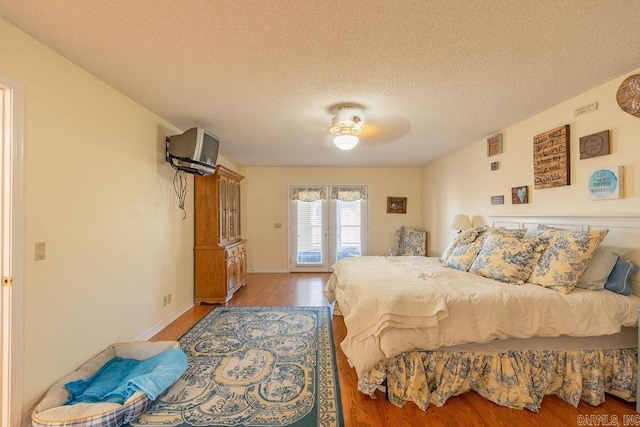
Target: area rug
[[254, 366]]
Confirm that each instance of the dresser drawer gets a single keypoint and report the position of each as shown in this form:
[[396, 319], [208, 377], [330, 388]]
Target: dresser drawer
[[231, 252]]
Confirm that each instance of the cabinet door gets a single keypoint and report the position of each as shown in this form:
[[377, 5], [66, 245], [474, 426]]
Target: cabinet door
[[238, 210], [242, 268], [231, 201], [232, 273], [224, 208]]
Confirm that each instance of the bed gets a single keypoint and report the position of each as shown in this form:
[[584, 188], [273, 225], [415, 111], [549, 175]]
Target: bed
[[425, 331]]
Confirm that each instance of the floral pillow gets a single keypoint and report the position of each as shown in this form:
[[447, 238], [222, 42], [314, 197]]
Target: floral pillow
[[565, 258], [464, 254], [464, 237], [507, 258]]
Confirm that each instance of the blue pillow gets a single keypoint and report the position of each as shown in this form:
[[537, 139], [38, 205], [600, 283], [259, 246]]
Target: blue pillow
[[618, 280]]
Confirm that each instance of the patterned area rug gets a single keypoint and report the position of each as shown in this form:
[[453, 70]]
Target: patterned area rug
[[254, 366]]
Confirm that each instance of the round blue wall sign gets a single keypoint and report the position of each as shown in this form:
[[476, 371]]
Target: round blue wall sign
[[603, 183]]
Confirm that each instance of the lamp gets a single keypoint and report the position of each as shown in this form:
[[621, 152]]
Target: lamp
[[460, 222], [345, 126]]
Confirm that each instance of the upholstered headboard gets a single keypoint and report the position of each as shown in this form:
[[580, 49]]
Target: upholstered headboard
[[624, 230]]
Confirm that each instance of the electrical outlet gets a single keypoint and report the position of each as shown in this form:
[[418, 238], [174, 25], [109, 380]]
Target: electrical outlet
[[169, 299], [164, 301]]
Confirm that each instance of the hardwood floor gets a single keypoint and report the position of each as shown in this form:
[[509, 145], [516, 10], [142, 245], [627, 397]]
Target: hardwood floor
[[469, 409]]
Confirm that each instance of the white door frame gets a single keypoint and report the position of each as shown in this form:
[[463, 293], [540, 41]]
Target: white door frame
[[12, 250]]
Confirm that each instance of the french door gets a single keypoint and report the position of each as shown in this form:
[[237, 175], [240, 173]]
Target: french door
[[327, 224]]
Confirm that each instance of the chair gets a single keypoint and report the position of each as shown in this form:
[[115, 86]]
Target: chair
[[410, 241]]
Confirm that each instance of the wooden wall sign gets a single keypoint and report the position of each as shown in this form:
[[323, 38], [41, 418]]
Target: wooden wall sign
[[494, 145], [628, 95], [594, 145], [551, 158]]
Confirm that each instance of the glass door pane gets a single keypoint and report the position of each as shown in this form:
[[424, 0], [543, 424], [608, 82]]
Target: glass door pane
[[348, 230], [310, 234], [231, 193], [223, 210]]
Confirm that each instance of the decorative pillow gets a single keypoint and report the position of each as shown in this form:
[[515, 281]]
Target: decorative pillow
[[508, 232], [507, 258], [618, 280], [566, 257], [464, 237], [463, 255], [602, 262]]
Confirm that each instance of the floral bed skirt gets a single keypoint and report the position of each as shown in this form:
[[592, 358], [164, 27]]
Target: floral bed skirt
[[516, 379]]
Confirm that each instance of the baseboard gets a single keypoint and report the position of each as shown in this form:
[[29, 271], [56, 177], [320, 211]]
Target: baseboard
[[164, 323], [269, 271]]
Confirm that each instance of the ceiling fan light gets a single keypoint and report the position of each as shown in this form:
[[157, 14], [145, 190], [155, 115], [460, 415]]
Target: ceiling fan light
[[345, 142]]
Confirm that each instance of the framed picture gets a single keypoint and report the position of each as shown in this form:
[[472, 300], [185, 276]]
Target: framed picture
[[396, 205], [519, 195], [494, 145]]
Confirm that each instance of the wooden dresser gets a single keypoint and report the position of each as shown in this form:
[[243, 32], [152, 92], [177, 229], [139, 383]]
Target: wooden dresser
[[220, 252]]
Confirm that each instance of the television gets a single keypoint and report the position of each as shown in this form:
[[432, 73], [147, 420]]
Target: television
[[193, 151]]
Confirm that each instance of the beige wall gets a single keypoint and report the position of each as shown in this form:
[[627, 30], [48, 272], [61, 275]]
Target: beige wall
[[98, 192], [463, 181], [265, 202]]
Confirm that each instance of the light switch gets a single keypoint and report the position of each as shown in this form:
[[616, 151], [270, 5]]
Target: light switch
[[41, 251], [277, 225]]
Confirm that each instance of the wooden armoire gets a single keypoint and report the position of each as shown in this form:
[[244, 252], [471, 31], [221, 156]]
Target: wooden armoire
[[220, 252]]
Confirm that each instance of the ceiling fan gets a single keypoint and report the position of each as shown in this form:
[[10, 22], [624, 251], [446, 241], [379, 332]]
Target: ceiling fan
[[345, 125]]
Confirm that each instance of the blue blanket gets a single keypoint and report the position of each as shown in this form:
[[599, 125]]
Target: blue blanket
[[119, 378]]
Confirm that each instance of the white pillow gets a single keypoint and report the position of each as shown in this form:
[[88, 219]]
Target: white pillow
[[602, 262]]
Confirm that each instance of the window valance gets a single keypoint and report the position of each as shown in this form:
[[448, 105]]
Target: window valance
[[308, 194], [349, 193]]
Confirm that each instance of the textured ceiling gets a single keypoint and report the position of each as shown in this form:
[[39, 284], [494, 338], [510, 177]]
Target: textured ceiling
[[432, 76]]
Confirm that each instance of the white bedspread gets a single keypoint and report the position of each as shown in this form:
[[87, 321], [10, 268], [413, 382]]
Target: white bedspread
[[395, 304]]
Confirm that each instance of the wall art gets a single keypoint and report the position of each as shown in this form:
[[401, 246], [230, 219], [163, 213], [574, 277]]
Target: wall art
[[494, 145], [396, 205], [551, 158], [606, 183], [495, 166], [519, 195], [628, 95], [497, 200], [594, 145]]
